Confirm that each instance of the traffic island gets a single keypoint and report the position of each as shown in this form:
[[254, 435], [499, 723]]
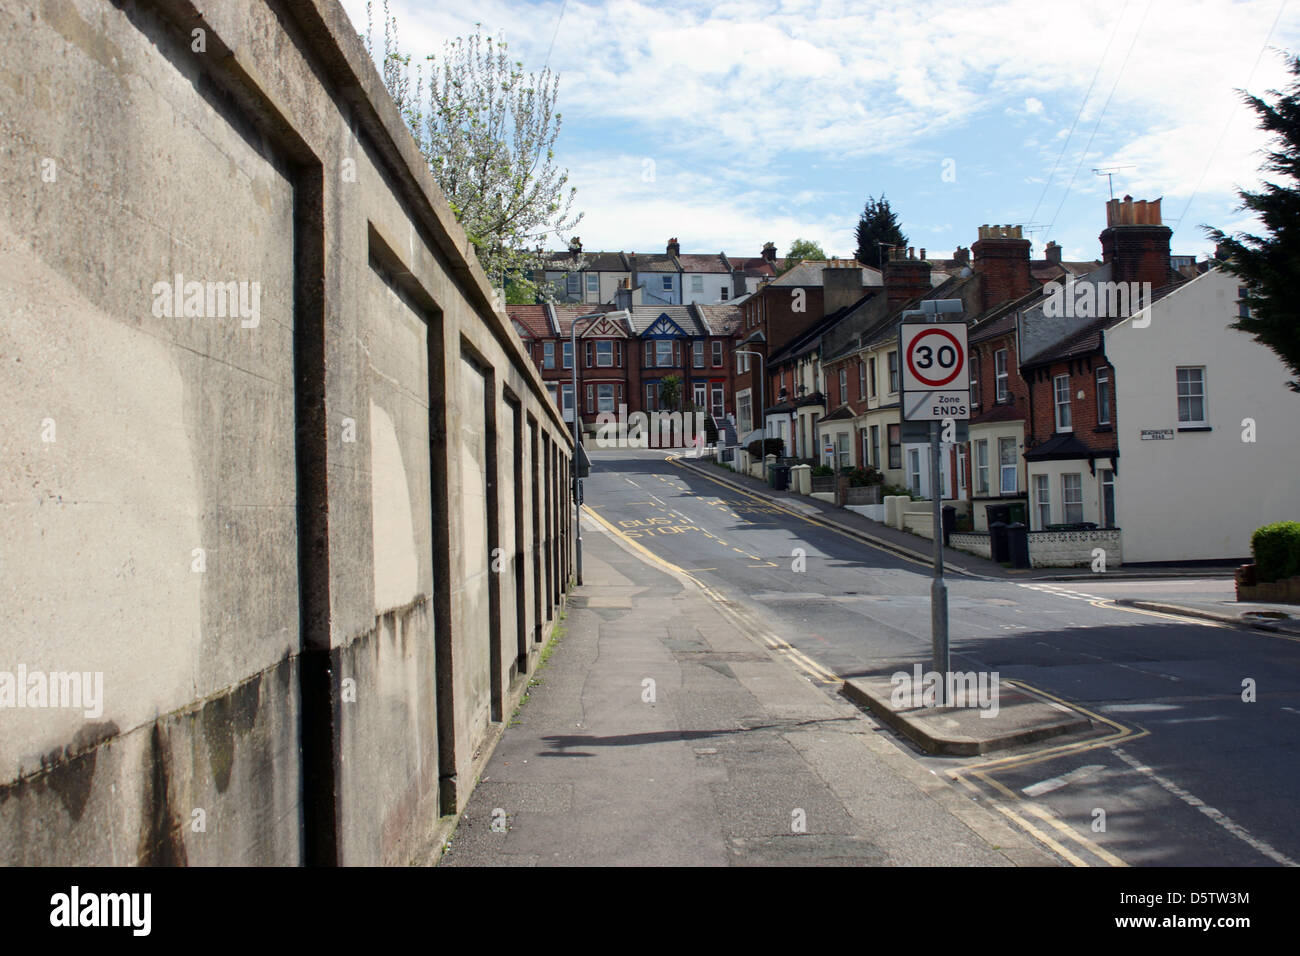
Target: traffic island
[[1012, 717]]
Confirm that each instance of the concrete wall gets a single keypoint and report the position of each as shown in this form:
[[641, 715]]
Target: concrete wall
[[274, 533]]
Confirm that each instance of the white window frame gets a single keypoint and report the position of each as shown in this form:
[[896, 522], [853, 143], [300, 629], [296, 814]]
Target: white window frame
[[717, 355], [844, 385], [697, 284], [893, 373], [668, 283], [1001, 375], [1043, 500], [1190, 396], [1066, 499], [593, 283], [1007, 469], [862, 380], [982, 467], [1061, 403], [697, 351], [719, 399], [663, 353], [1103, 395], [566, 355], [548, 355], [605, 354], [744, 411], [591, 399], [914, 470], [605, 398], [873, 376], [1106, 478]]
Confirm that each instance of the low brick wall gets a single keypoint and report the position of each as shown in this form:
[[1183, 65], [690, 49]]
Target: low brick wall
[[863, 495], [1071, 549], [1286, 591], [972, 543]]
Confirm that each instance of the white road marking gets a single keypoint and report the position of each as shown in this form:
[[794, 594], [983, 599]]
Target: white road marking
[[1240, 832], [1064, 780]]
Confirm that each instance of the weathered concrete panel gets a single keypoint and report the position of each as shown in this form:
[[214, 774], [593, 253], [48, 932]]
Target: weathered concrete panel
[[162, 445]]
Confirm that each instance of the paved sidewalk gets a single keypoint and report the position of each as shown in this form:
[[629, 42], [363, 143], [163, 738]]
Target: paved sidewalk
[[737, 758], [915, 546]]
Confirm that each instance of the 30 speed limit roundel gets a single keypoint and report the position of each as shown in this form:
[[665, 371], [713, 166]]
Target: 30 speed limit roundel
[[935, 357]]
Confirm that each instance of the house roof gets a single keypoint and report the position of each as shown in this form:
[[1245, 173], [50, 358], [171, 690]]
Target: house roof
[[590, 261], [840, 414], [535, 318], [567, 312], [809, 273], [654, 262], [756, 265], [1006, 412], [720, 319], [1066, 446], [704, 263], [683, 316]]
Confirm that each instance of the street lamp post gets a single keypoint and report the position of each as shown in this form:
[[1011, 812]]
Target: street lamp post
[[577, 445]]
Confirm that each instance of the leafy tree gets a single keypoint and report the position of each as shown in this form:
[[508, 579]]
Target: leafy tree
[[670, 391], [487, 130], [1269, 266], [800, 250], [877, 226]]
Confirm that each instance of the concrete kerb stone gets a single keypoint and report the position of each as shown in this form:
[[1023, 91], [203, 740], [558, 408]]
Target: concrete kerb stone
[[1023, 718], [1272, 627]]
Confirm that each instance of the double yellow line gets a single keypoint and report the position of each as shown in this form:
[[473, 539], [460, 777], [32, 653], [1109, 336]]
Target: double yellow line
[[744, 621], [985, 770]]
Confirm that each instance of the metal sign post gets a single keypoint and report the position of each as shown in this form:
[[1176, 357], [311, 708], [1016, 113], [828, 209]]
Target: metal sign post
[[936, 388]]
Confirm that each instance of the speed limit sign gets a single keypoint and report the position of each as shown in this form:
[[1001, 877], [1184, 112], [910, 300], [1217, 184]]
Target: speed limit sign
[[936, 371]]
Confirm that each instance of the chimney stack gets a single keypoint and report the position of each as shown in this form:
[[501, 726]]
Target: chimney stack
[[575, 247], [674, 248], [1135, 242], [769, 252], [1052, 253], [631, 261], [841, 284], [1002, 262], [905, 278], [623, 294]]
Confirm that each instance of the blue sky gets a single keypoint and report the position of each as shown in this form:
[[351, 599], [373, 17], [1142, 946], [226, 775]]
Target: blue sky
[[775, 120]]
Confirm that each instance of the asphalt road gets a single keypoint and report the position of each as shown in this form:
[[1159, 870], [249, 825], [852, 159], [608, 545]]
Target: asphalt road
[[1189, 773]]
